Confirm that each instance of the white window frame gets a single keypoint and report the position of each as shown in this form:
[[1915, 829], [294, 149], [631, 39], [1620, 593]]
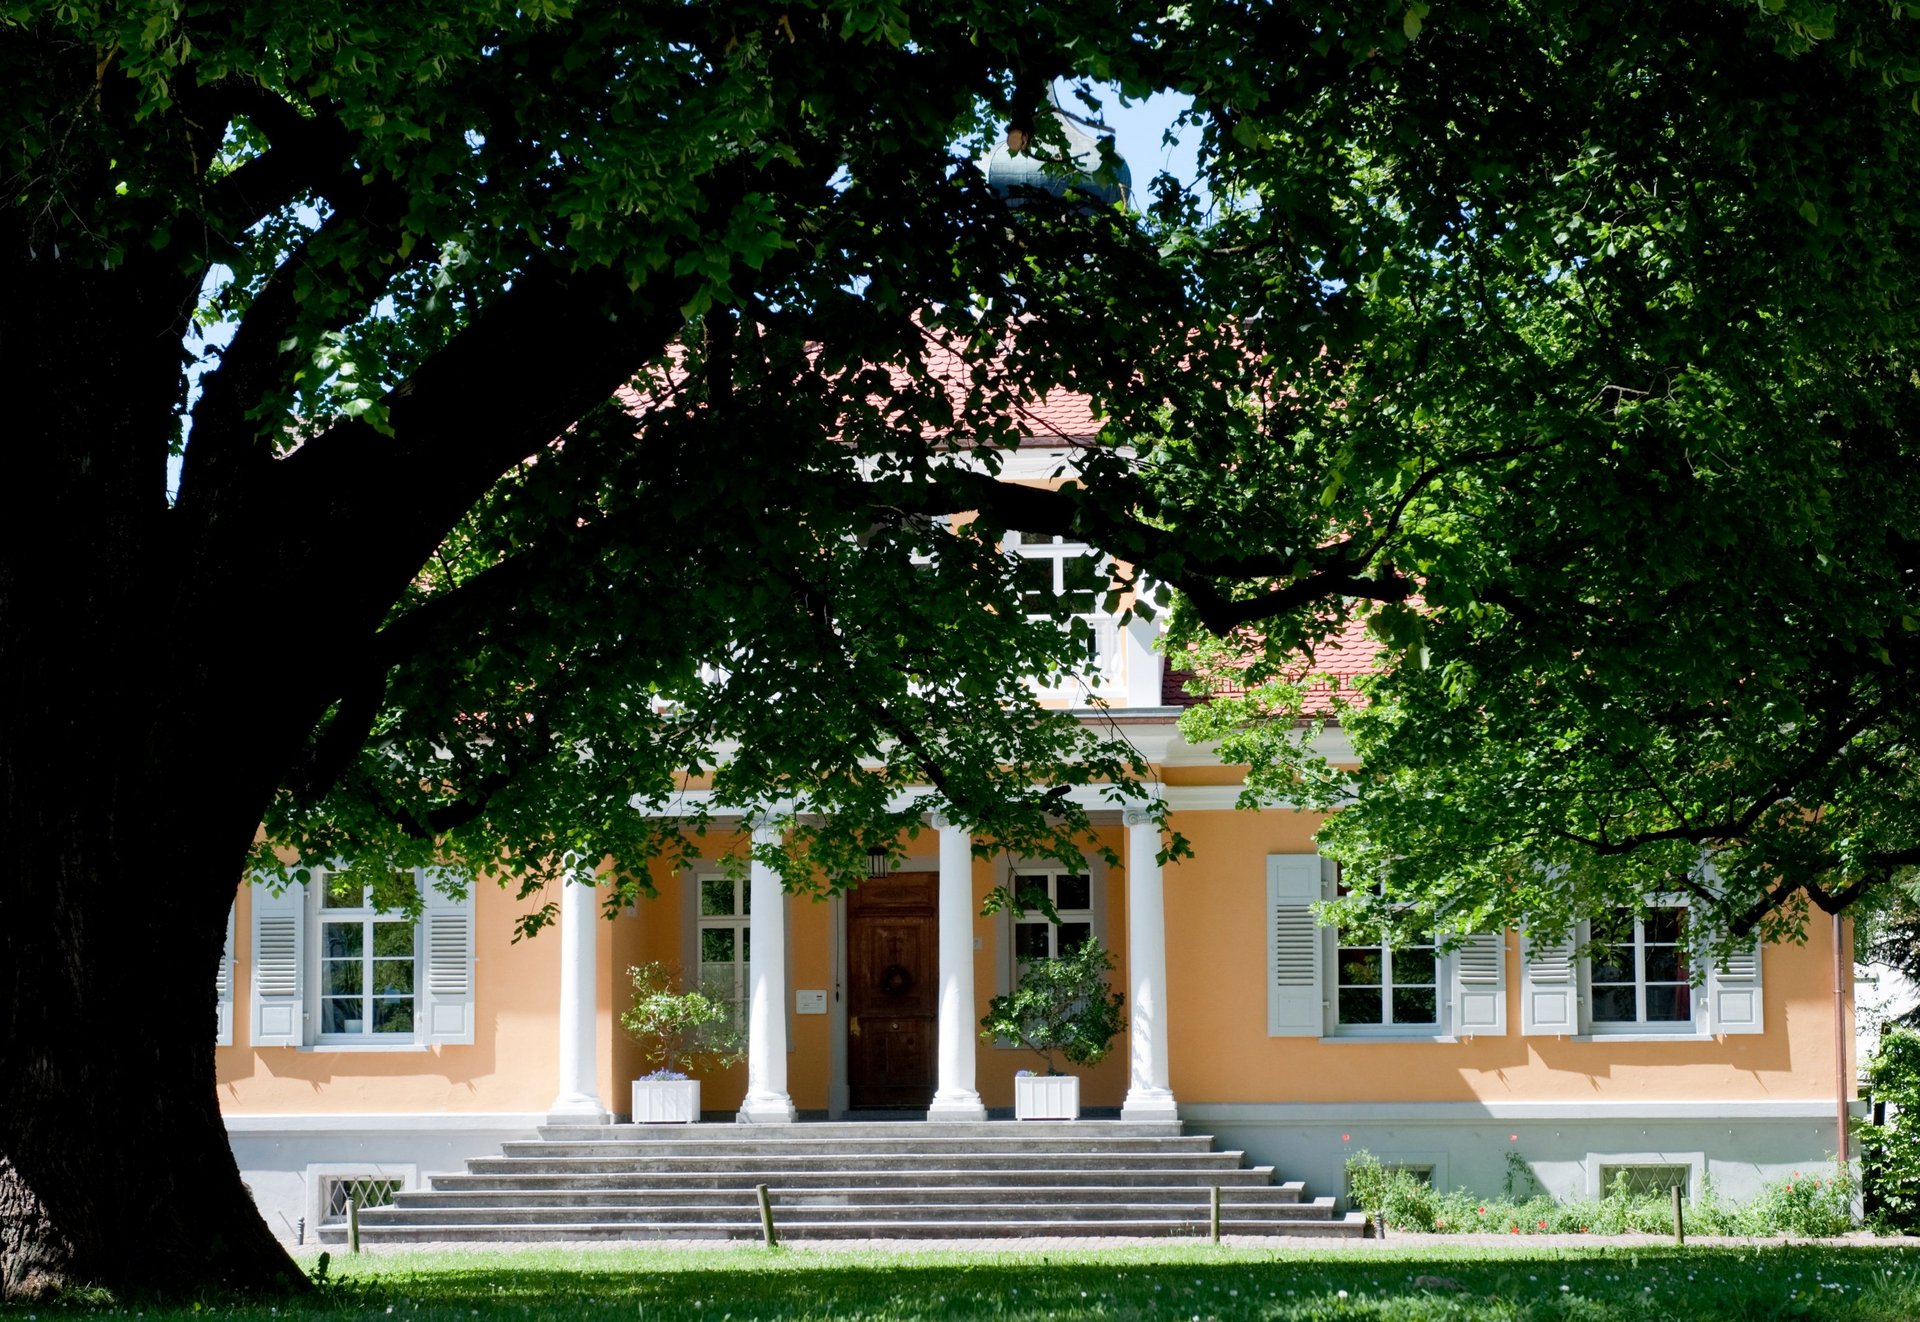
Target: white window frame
[[1105, 671], [1049, 881], [1438, 1026], [740, 921], [320, 916], [1693, 1026], [1094, 868], [444, 970], [1302, 973]]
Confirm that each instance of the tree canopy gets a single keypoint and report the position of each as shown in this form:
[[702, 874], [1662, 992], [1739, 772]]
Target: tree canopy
[[1536, 332], [1628, 421]]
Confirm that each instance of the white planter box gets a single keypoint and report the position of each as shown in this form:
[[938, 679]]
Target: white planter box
[[666, 1101], [1046, 1097]]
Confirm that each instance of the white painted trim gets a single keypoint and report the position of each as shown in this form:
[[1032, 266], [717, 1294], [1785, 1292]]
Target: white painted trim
[[1214, 798], [689, 803], [1448, 1112], [358, 1125]]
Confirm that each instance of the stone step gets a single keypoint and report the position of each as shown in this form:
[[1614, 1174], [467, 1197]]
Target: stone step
[[1242, 1195], [812, 1130], [1352, 1225], [735, 1144], [799, 1179], [773, 1163], [804, 1210]]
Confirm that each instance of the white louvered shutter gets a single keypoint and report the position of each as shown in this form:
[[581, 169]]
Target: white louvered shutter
[[223, 991], [1549, 988], [1734, 994], [1295, 1005], [1480, 985], [446, 947], [278, 1008]]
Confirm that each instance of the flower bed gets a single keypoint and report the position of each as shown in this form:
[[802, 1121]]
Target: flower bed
[[1811, 1203]]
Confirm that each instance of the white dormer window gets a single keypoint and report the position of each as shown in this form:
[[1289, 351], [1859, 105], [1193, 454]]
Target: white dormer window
[[1054, 571]]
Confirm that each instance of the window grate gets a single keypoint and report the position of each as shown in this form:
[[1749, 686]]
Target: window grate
[[1646, 1180], [371, 1190]]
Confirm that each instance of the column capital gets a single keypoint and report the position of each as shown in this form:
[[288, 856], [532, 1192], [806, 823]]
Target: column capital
[[1139, 817]]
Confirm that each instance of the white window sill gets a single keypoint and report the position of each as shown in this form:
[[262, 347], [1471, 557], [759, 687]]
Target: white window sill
[[374, 1047], [1387, 1039], [1690, 1035]]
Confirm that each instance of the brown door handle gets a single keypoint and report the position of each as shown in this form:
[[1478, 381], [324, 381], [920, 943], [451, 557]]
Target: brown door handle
[[853, 1026]]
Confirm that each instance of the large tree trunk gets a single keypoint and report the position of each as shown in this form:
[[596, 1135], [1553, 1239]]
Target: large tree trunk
[[114, 1164], [139, 744]]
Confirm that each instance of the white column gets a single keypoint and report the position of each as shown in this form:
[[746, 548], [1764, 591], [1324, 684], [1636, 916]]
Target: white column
[[956, 1097], [767, 1102], [1148, 1096], [578, 1102]]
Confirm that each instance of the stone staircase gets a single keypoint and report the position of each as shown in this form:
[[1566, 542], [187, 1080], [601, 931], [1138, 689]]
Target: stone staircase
[[852, 1180]]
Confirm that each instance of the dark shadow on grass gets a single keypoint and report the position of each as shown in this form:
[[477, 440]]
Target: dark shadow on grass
[[1587, 1284]]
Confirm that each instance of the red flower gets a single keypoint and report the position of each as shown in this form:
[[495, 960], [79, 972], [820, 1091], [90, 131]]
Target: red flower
[[1543, 1225], [1483, 1209], [1513, 1230], [1346, 1138]]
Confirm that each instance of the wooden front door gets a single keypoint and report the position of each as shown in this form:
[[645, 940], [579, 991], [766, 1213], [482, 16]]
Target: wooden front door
[[892, 979]]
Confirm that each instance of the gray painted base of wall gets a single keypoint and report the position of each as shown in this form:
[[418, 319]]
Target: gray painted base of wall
[[287, 1159], [1738, 1146]]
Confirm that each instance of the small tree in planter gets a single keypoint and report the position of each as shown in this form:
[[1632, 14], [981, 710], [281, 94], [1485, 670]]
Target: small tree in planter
[[1061, 1005], [677, 1030]]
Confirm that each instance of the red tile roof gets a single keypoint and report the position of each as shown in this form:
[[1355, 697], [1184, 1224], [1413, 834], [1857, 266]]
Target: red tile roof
[[1061, 417], [1346, 656]]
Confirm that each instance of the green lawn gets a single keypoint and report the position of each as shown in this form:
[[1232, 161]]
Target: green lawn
[[1858, 1283]]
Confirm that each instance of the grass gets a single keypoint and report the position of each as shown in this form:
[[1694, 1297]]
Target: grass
[[1859, 1283]]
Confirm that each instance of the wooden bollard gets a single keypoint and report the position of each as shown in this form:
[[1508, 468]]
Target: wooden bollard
[[1213, 1212], [1679, 1225], [766, 1216], [353, 1223]]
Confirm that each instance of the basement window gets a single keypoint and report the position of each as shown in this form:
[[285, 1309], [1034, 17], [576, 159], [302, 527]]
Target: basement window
[[371, 1190], [1642, 1181]]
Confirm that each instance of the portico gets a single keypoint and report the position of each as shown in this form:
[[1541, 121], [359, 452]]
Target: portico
[[910, 964]]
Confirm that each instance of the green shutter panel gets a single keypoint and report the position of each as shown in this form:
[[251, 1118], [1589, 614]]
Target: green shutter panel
[[1295, 1004]]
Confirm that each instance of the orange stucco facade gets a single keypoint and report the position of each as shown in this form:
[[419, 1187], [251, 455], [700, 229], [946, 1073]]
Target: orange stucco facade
[[1220, 1050]]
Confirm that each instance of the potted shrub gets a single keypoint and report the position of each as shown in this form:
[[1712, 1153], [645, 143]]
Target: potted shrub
[[1061, 1006], [676, 1031]]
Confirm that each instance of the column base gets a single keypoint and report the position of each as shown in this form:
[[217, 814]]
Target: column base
[[1150, 1106], [957, 1106], [767, 1109], [578, 1109]]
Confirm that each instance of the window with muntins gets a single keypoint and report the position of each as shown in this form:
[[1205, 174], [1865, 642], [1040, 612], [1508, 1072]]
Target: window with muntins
[[368, 961], [1638, 974], [725, 936], [1388, 986], [1052, 572], [1071, 894], [1383, 985]]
